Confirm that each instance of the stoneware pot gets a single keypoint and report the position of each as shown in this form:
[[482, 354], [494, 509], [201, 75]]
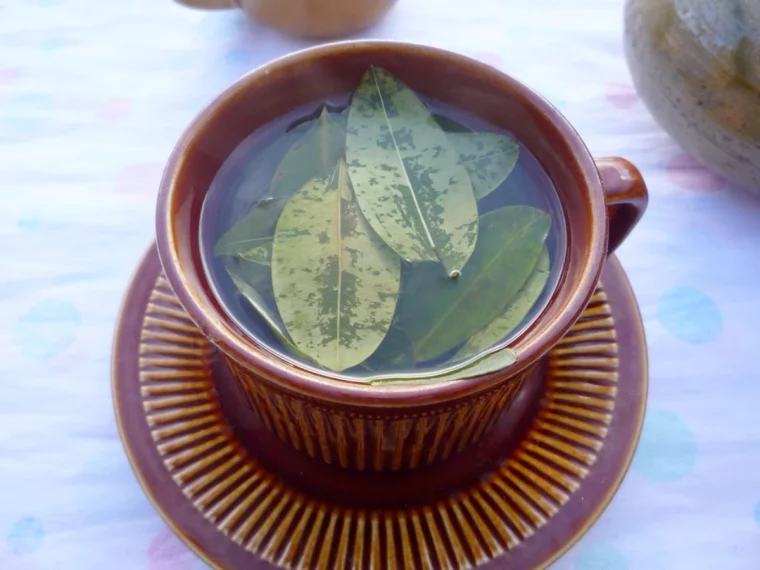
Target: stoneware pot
[[397, 426], [696, 65], [313, 19]]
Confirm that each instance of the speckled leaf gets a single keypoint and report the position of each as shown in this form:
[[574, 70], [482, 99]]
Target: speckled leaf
[[394, 352], [488, 157], [489, 363], [313, 155], [253, 232], [439, 314], [261, 252], [254, 283], [254, 180], [406, 175], [335, 282], [517, 309]]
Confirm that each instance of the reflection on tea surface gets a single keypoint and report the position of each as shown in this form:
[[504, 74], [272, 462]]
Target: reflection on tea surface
[[382, 237]]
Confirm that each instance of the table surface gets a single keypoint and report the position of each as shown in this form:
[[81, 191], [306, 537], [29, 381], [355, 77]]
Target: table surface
[[93, 96]]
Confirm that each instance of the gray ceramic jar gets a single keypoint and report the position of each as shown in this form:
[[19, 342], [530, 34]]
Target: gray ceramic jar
[[696, 65]]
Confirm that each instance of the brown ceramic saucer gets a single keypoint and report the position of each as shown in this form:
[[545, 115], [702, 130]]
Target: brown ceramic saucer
[[240, 498]]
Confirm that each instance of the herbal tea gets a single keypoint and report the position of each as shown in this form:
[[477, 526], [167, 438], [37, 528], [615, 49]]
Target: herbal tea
[[383, 237]]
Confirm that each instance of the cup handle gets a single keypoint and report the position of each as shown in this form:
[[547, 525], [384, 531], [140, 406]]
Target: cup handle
[[209, 4], [626, 196]]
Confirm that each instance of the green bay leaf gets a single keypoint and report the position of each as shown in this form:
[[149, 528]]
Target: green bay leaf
[[261, 252], [440, 314], [252, 183], [406, 175], [254, 283], [514, 313], [489, 363], [488, 157], [313, 155], [394, 352], [335, 282], [253, 231]]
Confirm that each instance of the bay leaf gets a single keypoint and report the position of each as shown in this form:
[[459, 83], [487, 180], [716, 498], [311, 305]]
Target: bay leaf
[[260, 252], [489, 363], [439, 314], [254, 283], [394, 352], [335, 282], [313, 155], [406, 175], [252, 231], [253, 180], [488, 157], [514, 313]]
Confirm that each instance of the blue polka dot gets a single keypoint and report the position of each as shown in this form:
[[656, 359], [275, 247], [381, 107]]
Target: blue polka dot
[[47, 329], [55, 44], [23, 127], [25, 536], [757, 513], [32, 101], [239, 58], [690, 315], [600, 556], [29, 222], [667, 450]]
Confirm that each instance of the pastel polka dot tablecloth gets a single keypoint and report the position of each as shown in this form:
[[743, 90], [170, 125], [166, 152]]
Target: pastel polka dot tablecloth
[[93, 96]]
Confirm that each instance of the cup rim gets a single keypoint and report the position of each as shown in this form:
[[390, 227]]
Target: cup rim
[[219, 330]]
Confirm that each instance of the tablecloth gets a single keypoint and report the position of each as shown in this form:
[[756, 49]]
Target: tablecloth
[[93, 95]]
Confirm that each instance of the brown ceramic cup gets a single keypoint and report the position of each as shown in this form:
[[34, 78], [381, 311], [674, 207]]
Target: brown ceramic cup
[[390, 427], [314, 19]]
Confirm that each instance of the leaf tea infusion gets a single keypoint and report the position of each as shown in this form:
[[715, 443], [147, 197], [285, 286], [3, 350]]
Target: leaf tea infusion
[[383, 237]]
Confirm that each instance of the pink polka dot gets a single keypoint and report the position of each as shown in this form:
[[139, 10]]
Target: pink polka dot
[[167, 552], [115, 109], [8, 76], [691, 175], [622, 95], [489, 57], [141, 178]]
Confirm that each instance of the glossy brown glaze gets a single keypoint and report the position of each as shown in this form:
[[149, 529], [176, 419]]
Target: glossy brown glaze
[[313, 19], [404, 425], [626, 196], [518, 498]]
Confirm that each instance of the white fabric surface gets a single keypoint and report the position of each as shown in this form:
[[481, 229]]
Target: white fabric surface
[[93, 95]]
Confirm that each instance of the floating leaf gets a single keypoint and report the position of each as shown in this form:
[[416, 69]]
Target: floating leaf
[[252, 232], [254, 283], [492, 362], [394, 352], [488, 157], [254, 180], [406, 175], [312, 156], [335, 282], [260, 253], [439, 314], [517, 309]]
